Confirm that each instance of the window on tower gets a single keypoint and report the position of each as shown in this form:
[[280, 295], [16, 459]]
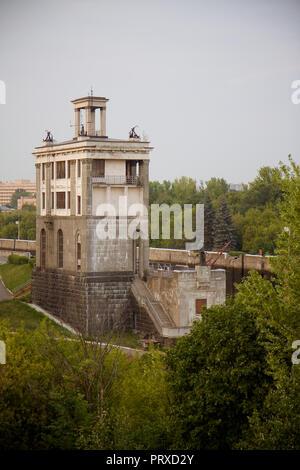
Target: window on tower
[[43, 249], [60, 170], [98, 168], [60, 249], [43, 171], [78, 252], [61, 200], [199, 304]]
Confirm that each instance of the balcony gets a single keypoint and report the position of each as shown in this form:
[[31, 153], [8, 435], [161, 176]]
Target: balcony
[[110, 180]]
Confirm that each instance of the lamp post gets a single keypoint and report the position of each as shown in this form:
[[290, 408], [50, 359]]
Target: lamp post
[[17, 222]]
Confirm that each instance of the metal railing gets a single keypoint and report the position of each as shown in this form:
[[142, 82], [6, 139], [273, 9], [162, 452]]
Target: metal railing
[[132, 180]]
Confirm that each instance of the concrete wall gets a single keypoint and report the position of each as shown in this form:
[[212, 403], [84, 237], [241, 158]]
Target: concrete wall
[[90, 304], [179, 290], [107, 255], [115, 168], [17, 245], [70, 227], [161, 255], [111, 195], [257, 262]]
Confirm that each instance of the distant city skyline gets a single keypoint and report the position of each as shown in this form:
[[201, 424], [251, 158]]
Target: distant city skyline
[[210, 83]]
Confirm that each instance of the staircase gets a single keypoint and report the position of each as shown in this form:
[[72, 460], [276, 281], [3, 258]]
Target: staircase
[[160, 318]]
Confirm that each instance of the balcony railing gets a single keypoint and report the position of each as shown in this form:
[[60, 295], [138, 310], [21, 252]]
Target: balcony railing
[[133, 180]]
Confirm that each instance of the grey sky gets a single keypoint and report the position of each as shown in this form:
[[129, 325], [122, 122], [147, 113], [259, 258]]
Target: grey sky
[[209, 82]]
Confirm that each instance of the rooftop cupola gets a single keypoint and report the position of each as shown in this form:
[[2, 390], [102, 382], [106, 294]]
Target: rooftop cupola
[[85, 116]]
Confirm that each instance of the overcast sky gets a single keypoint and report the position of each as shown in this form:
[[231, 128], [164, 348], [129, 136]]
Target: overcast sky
[[208, 81]]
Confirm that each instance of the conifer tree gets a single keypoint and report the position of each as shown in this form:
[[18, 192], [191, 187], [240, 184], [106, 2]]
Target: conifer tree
[[224, 229], [209, 223]]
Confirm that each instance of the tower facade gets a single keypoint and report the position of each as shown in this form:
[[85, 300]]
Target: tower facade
[[92, 200]]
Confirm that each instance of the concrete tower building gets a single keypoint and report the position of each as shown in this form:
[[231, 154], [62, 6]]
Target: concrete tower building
[[81, 276]]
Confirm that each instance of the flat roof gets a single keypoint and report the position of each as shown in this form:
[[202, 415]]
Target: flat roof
[[100, 98], [92, 139]]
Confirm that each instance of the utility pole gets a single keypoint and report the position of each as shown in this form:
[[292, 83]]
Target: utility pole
[[18, 224]]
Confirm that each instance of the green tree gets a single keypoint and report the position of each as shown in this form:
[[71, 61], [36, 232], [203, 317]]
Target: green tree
[[138, 416], [276, 307], [215, 188], [217, 378], [224, 229], [209, 224], [16, 195], [258, 229], [39, 406], [265, 189]]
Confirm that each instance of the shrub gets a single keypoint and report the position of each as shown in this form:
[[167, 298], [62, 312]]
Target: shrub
[[32, 262], [16, 259]]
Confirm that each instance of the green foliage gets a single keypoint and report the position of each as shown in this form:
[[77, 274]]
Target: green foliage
[[258, 230], [217, 376], [16, 259], [232, 379], [224, 230], [254, 210], [287, 262], [215, 188], [16, 195], [137, 417], [20, 315], [209, 224], [58, 394], [39, 407], [26, 218], [142, 419], [277, 425], [266, 189], [277, 309]]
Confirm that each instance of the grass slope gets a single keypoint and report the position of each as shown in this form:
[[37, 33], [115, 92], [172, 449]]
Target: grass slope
[[17, 312], [14, 275]]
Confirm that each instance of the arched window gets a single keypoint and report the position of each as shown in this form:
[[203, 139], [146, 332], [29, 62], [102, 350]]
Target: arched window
[[78, 252], [60, 249], [43, 248]]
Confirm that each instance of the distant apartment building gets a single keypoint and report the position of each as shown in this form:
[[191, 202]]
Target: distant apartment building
[[236, 187], [25, 200], [8, 189]]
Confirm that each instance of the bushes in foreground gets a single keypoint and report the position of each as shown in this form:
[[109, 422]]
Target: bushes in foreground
[[17, 259]]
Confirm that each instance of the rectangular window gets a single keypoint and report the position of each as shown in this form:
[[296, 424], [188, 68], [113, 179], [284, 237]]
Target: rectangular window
[[60, 249], [69, 168], [43, 200], [79, 168], [78, 205], [200, 303], [69, 199], [61, 200], [78, 256], [43, 249], [60, 170], [98, 168], [52, 170], [43, 171], [52, 200]]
